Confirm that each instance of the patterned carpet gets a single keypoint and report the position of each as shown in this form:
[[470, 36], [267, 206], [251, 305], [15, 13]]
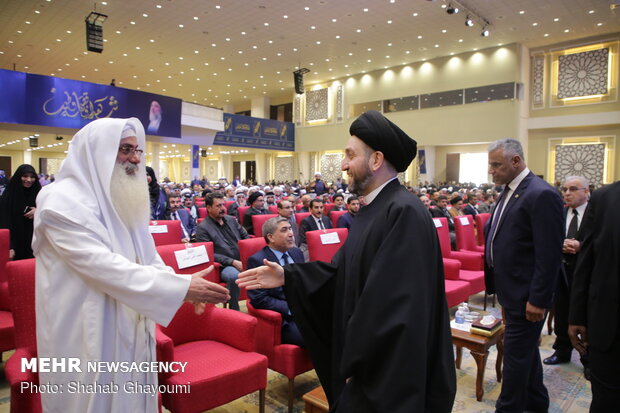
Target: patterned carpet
[[568, 390]]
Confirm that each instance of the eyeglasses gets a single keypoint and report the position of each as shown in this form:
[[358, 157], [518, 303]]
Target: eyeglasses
[[571, 189], [130, 150]]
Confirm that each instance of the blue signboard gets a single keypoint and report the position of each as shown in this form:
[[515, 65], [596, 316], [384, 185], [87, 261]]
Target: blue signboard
[[422, 160], [249, 132], [195, 156], [51, 101]]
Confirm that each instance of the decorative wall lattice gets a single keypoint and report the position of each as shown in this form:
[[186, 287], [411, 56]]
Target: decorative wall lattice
[[284, 169], [53, 165], [316, 105], [583, 74], [212, 171], [538, 76], [297, 110], [339, 103], [331, 166], [587, 160]]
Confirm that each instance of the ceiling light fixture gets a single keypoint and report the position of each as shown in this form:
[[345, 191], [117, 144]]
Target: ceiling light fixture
[[452, 10], [484, 32]]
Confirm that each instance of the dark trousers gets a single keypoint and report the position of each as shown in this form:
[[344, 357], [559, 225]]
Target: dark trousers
[[522, 384], [560, 321], [291, 335], [604, 367]]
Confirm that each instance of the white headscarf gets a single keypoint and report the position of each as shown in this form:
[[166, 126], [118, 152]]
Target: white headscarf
[[85, 179]]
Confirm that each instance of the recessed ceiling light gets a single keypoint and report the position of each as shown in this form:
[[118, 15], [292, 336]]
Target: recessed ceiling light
[[389, 22], [389, 44], [132, 22], [407, 52], [359, 30], [217, 6], [213, 44], [306, 8], [387, 57], [19, 32], [460, 40], [338, 36], [590, 12], [195, 17], [37, 12], [370, 49], [350, 53], [444, 31], [152, 40], [158, 6], [566, 30], [419, 37], [243, 33], [369, 60], [436, 45], [285, 16], [118, 32], [145, 15], [522, 12], [599, 24], [557, 19], [266, 24], [181, 26], [415, 14], [294, 49], [125, 54], [254, 47], [534, 24], [137, 47], [334, 20]]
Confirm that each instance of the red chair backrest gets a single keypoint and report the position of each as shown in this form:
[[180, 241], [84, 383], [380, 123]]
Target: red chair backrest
[[200, 204], [166, 252], [327, 207], [241, 211], [300, 216], [258, 221], [298, 207], [173, 235], [273, 209], [202, 212], [443, 232], [228, 203], [5, 243], [481, 220], [199, 199], [465, 233], [199, 220], [249, 247], [318, 251], [187, 326], [21, 287], [335, 215]]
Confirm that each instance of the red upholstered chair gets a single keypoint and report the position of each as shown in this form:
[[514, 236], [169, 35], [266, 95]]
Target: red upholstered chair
[[298, 207], [300, 216], [258, 221], [166, 252], [241, 211], [199, 204], [328, 207], [202, 212], [228, 203], [247, 248], [7, 333], [335, 215], [471, 263], [199, 220], [199, 199], [287, 359], [21, 287], [317, 251], [457, 291], [481, 220], [466, 234], [173, 234], [273, 209], [222, 365]]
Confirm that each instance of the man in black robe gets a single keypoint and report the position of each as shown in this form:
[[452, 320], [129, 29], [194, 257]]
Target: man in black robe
[[375, 320]]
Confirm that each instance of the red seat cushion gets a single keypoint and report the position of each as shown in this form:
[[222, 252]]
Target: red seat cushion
[[475, 280], [7, 336], [456, 292]]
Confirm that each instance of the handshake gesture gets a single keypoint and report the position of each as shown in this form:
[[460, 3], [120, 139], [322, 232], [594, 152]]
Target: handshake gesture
[[202, 291]]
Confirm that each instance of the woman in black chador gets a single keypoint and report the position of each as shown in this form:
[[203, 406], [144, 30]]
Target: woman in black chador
[[17, 206]]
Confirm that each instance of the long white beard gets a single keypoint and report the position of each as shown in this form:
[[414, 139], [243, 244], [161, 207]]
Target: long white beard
[[130, 196]]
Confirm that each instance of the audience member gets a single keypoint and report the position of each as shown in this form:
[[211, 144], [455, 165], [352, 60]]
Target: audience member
[[176, 213], [157, 196], [233, 209], [457, 206], [353, 207], [225, 232], [280, 248], [470, 208], [256, 202], [339, 204], [286, 210], [315, 221], [441, 211], [523, 258]]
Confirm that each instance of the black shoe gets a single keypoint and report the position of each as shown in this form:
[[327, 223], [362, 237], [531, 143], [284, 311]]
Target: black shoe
[[555, 358]]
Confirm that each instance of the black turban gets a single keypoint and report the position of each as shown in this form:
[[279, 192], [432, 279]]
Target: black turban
[[254, 197], [382, 135]]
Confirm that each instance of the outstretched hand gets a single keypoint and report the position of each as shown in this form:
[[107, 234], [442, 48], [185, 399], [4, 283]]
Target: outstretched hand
[[270, 275], [202, 291]]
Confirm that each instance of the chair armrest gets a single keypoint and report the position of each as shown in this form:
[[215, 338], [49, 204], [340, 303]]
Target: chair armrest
[[5, 302], [214, 276], [451, 269], [268, 331], [473, 261], [234, 328], [13, 369], [165, 350]]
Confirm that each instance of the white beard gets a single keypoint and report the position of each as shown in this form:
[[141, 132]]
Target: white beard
[[130, 196]]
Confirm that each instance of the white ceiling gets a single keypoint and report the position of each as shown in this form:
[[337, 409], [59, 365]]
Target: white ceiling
[[228, 51]]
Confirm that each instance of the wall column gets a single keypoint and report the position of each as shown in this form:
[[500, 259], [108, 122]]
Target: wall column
[[260, 107], [155, 158]]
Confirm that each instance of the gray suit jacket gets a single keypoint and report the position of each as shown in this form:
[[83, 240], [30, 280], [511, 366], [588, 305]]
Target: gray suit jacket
[[225, 252]]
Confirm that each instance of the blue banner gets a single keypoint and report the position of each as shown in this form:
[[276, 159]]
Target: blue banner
[[195, 156], [51, 101], [249, 132], [422, 160]]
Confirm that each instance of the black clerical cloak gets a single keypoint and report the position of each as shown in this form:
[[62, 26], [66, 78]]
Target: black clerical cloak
[[378, 312]]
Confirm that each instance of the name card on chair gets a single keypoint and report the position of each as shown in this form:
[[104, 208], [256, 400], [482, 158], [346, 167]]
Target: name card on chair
[[464, 220], [191, 256], [330, 238], [437, 223], [158, 229]]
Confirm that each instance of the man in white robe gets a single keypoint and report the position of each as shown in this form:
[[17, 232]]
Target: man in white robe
[[100, 285]]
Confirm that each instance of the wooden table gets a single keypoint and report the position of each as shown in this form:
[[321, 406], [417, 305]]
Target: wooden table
[[316, 401], [479, 347]]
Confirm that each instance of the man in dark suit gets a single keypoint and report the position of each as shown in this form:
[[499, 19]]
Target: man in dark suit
[[594, 315], [188, 225], [316, 220], [287, 210], [346, 220], [523, 259], [339, 204], [224, 231], [281, 249], [576, 193], [470, 208], [441, 211]]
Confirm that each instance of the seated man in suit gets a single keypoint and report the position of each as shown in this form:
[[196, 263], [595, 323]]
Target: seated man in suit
[[470, 208], [457, 206], [345, 220], [287, 210], [315, 221], [281, 249], [224, 231], [256, 202], [305, 201], [442, 212], [188, 225]]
